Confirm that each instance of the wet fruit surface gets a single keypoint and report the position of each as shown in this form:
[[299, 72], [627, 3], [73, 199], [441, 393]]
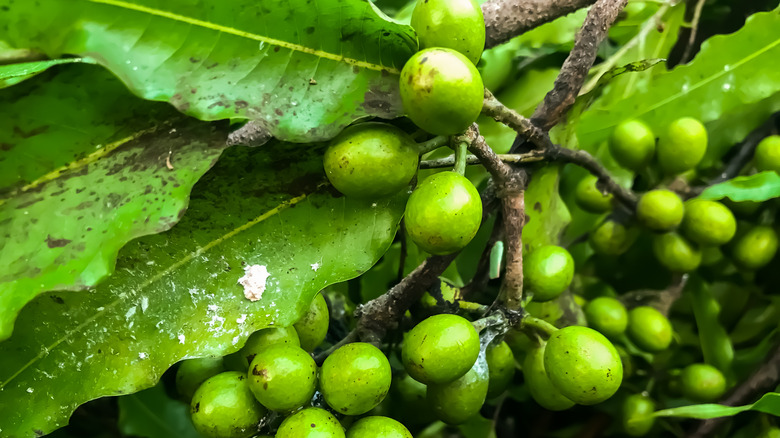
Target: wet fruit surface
[[224, 407], [440, 349]]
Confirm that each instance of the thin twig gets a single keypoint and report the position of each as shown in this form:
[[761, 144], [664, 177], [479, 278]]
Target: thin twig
[[505, 19], [694, 29], [589, 163], [440, 163], [511, 118], [578, 63]]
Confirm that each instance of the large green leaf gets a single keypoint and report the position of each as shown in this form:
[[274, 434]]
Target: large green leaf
[[152, 414], [303, 69], [729, 73], [78, 181], [758, 187], [768, 404], [176, 295]]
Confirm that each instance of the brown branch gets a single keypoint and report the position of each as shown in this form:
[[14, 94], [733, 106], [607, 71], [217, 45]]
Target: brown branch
[[763, 380], [578, 63], [510, 188], [589, 163], [511, 118], [694, 30], [505, 19], [529, 157]]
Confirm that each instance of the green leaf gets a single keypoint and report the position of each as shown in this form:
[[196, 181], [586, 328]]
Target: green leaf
[[546, 211], [758, 187], [152, 414], [768, 404], [730, 72], [302, 69], [79, 181], [12, 74], [175, 295]]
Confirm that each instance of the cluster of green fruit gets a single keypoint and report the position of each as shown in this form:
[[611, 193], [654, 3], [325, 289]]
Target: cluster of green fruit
[[442, 93], [688, 233]]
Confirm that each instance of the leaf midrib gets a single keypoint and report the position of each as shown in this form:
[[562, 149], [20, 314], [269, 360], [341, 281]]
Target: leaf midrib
[[248, 35]]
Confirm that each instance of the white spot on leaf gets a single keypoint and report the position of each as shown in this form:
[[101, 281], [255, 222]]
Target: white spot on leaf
[[315, 266], [254, 281]]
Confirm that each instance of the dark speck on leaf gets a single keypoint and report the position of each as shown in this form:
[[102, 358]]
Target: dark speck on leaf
[[57, 299], [56, 243], [538, 207]]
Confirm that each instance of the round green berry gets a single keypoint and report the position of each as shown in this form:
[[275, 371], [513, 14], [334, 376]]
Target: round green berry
[[501, 368], [265, 338], [676, 253], [589, 198], [283, 377], [649, 329], [224, 407], [441, 91], [310, 423], [457, 401], [313, 325], [708, 223], [376, 426], [756, 248], [607, 315], [539, 385], [583, 365], [454, 24], [632, 144], [612, 238], [636, 414], [548, 272], [443, 213], [355, 378], [767, 155], [682, 146], [660, 210], [193, 372], [410, 400], [702, 383], [371, 160], [440, 349]]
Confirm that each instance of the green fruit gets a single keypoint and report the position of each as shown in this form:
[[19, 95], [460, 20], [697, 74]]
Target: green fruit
[[310, 423], [355, 378], [371, 160], [548, 271], [607, 315], [441, 91], [539, 385], [649, 329], [682, 146], [265, 338], [313, 325], [193, 372], [283, 377], [676, 253], [660, 210], [583, 365], [756, 248], [457, 401], [702, 383], [376, 426], [224, 407], [440, 349], [454, 24], [708, 223], [636, 409], [501, 368], [444, 213], [589, 198], [767, 155], [632, 144], [612, 238]]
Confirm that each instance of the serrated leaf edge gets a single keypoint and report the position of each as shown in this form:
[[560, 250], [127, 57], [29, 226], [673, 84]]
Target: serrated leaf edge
[[200, 251]]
